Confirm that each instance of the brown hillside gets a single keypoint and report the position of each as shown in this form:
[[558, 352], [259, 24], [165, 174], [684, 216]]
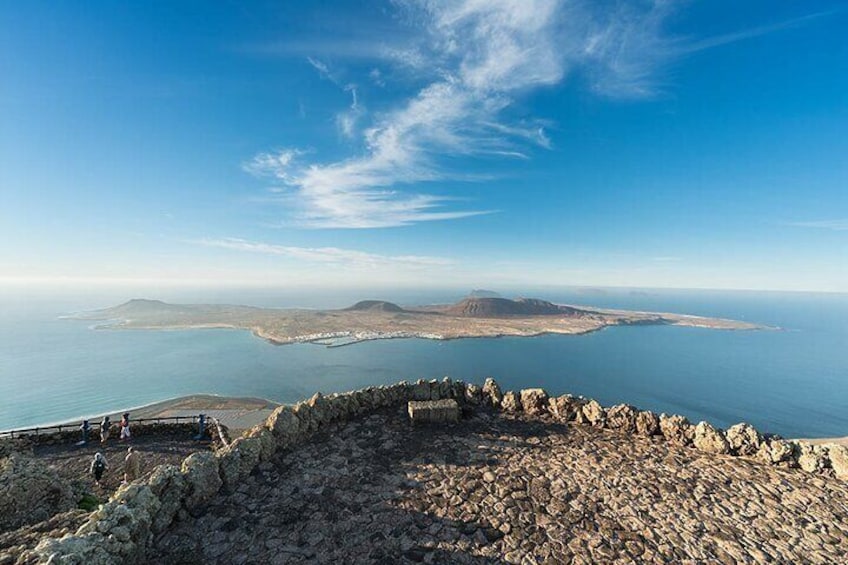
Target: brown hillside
[[375, 306], [500, 307]]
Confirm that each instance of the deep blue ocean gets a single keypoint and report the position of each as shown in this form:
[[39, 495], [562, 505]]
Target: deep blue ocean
[[793, 382]]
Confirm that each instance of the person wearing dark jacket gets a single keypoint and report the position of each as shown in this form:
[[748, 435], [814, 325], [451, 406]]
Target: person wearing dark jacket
[[98, 467]]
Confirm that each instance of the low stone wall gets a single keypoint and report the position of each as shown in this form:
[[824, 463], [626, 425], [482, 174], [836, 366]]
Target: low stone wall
[[121, 530]]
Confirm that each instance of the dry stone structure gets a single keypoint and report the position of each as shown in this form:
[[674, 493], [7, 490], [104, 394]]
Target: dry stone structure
[[123, 529], [433, 411]]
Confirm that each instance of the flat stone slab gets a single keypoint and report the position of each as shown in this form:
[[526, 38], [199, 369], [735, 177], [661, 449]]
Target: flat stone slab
[[433, 411]]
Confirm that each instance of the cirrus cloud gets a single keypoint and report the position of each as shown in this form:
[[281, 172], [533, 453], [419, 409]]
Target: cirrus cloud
[[475, 59], [327, 255]]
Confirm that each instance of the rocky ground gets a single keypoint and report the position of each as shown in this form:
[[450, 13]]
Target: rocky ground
[[503, 488], [71, 463]]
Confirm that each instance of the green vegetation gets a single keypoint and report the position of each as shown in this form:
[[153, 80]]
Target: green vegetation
[[89, 502]]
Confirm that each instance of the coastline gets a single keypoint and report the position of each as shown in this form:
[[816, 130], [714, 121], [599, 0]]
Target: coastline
[[233, 408], [825, 440], [255, 409], [351, 338], [382, 320]]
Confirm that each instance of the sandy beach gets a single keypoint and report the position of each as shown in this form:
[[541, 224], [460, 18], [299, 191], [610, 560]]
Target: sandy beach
[[237, 413]]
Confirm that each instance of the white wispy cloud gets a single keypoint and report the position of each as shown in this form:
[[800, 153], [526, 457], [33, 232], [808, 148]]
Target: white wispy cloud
[[512, 48], [475, 58], [348, 119], [328, 255], [733, 37], [322, 68], [834, 225], [666, 259]]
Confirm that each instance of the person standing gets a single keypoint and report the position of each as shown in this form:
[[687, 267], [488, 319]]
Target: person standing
[[98, 467], [105, 424], [132, 465], [125, 426], [85, 427]]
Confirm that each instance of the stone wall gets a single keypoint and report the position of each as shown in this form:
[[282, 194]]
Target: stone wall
[[121, 530]]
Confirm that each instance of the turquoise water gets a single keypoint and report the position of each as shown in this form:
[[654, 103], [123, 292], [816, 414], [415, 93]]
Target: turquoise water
[[793, 382]]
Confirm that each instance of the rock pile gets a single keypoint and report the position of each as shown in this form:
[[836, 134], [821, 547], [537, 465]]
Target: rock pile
[[122, 529]]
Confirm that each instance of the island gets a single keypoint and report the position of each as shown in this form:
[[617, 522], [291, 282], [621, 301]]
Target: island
[[471, 317]]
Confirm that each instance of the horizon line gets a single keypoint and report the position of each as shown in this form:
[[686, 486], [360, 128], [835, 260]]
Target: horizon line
[[252, 284]]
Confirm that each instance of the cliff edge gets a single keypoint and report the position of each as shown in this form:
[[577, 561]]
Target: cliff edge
[[522, 478]]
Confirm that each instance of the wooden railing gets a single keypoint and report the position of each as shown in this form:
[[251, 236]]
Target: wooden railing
[[94, 426]]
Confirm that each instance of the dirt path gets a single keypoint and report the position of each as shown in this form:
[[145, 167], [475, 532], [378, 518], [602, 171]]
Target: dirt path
[[72, 462]]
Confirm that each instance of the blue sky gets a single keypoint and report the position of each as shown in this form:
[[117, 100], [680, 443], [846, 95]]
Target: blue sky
[[462, 143]]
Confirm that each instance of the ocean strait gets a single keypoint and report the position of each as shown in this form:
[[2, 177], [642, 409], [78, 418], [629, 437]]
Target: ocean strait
[[791, 381]]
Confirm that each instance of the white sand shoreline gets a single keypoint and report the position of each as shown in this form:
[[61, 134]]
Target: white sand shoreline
[[192, 403]]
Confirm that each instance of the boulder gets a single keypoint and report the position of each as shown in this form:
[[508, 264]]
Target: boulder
[[811, 458], [458, 390], [647, 423], [492, 394], [534, 401], [775, 450], [123, 526], [403, 391], [592, 413], [366, 400], [320, 410], [565, 408], [249, 449], [73, 550], [308, 423], [202, 479], [267, 443], [677, 429], [433, 385], [351, 405], [421, 390], [229, 463], [473, 394], [30, 492], [285, 426], [332, 407], [169, 485], [510, 402], [744, 439], [445, 389], [710, 440], [839, 460], [622, 417], [382, 397]]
